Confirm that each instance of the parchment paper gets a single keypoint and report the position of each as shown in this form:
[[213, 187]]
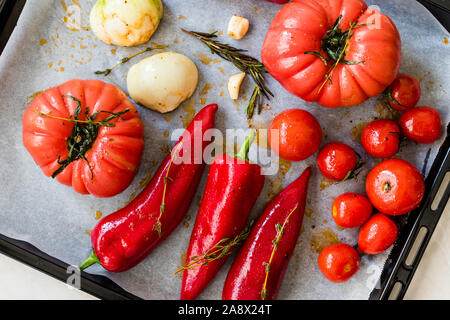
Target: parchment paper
[[43, 52]]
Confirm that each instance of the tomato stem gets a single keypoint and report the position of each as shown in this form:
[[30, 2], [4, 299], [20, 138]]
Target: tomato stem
[[387, 186], [388, 94], [353, 174], [335, 44]]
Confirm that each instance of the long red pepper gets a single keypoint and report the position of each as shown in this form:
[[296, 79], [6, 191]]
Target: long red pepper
[[231, 191], [258, 270], [124, 238]]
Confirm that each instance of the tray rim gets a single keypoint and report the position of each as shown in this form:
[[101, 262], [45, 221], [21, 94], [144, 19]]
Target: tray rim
[[104, 288]]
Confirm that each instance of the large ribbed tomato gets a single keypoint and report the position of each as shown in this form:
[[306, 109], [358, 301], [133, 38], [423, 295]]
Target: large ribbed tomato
[[319, 61], [111, 160]]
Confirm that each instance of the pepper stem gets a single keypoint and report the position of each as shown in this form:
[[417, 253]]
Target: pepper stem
[[243, 152], [89, 261]]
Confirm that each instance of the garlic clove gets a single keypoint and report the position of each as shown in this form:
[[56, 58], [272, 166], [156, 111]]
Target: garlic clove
[[238, 27], [234, 84]]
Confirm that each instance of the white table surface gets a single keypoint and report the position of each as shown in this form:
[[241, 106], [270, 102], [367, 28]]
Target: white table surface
[[431, 281]]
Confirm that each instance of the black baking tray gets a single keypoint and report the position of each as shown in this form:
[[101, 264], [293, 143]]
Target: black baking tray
[[396, 273]]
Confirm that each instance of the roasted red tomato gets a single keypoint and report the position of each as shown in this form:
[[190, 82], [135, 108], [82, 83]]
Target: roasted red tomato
[[395, 187], [299, 134], [421, 124], [350, 210], [377, 234], [336, 52], [279, 1], [86, 134], [338, 262], [403, 93], [337, 161], [381, 138]]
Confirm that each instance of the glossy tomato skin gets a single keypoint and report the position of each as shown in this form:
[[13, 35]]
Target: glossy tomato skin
[[338, 262], [279, 1], [421, 124], [377, 234], [381, 138], [395, 187], [405, 90], [115, 155], [299, 134], [336, 160], [301, 25], [351, 210]]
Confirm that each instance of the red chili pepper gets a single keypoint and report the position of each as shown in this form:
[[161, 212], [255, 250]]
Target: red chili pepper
[[124, 238], [258, 270], [231, 191]]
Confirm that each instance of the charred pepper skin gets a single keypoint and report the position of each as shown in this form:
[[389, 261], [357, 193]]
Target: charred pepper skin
[[232, 188], [124, 238], [247, 275]]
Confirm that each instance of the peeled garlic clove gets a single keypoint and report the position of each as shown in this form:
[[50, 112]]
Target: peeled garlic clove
[[238, 27], [234, 83]]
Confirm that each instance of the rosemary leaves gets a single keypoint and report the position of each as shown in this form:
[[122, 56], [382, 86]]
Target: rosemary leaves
[[219, 250], [83, 134], [126, 59], [243, 62], [157, 226], [276, 241]]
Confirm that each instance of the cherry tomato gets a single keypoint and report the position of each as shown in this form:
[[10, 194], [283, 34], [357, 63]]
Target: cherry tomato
[[377, 234], [421, 124], [351, 210], [404, 92], [395, 187], [381, 138], [299, 134], [336, 161], [338, 262]]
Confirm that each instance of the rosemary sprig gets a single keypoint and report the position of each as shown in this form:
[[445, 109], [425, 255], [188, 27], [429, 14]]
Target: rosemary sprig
[[157, 226], [255, 100], [103, 122], [243, 62], [340, 58], [219, 250], [276, 241], [126, 59], [83, 134]]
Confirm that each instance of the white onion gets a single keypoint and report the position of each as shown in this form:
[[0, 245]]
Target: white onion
[[162, 81], [125, 23]]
